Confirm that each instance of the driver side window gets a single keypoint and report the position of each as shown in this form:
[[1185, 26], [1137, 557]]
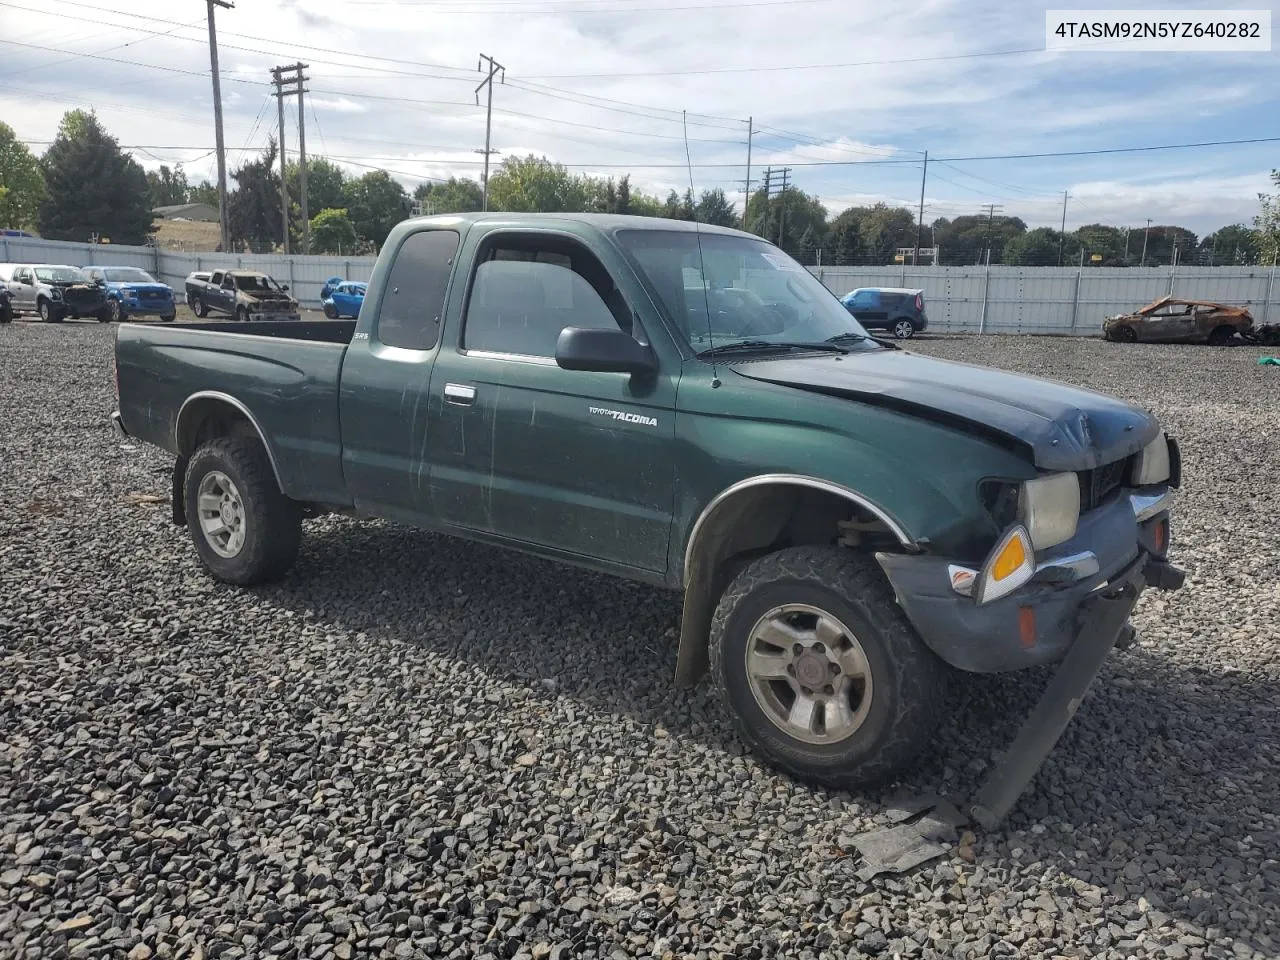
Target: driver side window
[[526, 290]]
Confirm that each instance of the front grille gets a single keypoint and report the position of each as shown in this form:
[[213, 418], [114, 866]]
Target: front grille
[[1099, 483]]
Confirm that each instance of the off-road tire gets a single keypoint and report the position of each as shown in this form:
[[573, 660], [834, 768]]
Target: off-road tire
[[1222, 336], [331, 311], [199, 307], [908, 680], [48, 312], [273, 522]]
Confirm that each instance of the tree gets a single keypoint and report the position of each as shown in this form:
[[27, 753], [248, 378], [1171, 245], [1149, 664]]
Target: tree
[[451, 196], [376, 203], [325, 183], [1038, 247], [204, 192], [534, 184], [93, 188], [1097, 239], [796, 211], [21, 182], [1268, 221], [844, 238], [881, 230], [168, 187], [332, 232], [1235, 244], [714, 207], [676, 207], [965, 240], [253, 207]]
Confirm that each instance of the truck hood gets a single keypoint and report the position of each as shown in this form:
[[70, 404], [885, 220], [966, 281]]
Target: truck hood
[[1060, 426], [265, 295]]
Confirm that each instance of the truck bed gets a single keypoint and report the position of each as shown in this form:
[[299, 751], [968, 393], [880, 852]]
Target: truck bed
[[283, 373]]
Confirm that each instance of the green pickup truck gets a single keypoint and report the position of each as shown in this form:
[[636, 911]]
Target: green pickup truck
[[686, 406]]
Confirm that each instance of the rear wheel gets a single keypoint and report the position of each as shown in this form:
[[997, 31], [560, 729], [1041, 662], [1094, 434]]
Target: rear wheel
[[824, 677], [244, 529], [1221, 336], [904, 329]]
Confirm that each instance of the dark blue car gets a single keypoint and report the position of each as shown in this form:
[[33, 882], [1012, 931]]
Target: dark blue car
[[132, 291], [342, 298], [888, 308]]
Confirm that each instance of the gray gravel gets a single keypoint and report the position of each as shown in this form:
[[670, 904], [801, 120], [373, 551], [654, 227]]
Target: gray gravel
[[420, 747]]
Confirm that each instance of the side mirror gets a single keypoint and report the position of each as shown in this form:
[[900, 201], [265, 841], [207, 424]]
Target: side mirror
[[603, 351], [284, 286]]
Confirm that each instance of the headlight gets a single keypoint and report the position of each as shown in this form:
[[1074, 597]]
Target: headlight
[[1049, 507], [1152, 464], [55, 293], [127, 292], [1009, 566]]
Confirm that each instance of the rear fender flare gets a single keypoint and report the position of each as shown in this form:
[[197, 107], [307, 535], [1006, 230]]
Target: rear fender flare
[[191, 415]]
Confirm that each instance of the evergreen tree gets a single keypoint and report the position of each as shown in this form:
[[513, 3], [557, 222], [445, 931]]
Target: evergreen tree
[[94, 188]]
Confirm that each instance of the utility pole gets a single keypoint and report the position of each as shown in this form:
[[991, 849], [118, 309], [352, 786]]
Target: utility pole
[[782, 203], [288, 81], [1126, 246], [767, 181], [746, 199], [991, 216], [1145, 235], [915, 257], [494, 69], [223, 221], [1062, 234]]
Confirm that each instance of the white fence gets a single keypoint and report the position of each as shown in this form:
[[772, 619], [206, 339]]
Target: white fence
[[1050, 300], [304, 275]]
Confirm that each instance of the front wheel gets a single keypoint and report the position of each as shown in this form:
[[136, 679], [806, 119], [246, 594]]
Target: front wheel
[[1125, 334], [823, 675], [331, 311], [200, 308], [1222, 336], [904, 329], [244, 529], [169, 317], [6, 311], [48, 314], [242, 314]]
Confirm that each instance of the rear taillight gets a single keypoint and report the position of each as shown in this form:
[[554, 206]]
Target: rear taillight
[[919, 302]]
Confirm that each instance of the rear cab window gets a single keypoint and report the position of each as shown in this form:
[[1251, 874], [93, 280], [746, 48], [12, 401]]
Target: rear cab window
[[414, 293]]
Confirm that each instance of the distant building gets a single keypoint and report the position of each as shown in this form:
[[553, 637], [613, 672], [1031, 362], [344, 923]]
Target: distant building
[[188, 211]]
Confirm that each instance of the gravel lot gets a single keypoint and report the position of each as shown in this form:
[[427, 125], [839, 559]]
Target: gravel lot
[[421, 747]]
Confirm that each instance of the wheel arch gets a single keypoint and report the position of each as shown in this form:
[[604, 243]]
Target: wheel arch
[[748, 518], [210, 413]]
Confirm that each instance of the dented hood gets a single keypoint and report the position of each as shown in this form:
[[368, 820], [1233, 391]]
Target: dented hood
[[1062, 427]]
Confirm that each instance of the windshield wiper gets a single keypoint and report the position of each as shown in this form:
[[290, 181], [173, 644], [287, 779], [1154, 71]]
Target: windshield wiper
[[746, 346], [847, 337]]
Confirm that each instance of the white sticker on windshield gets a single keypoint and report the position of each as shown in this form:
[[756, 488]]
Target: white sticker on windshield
[[783, 262]]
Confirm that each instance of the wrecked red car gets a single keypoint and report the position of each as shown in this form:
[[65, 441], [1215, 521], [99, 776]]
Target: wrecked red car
[[1171, 320]]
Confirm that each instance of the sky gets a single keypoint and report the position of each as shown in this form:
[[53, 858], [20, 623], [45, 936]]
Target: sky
[[849, 94]]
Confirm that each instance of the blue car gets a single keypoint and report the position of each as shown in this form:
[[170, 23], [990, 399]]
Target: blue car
[[342, 298], [134, 292]]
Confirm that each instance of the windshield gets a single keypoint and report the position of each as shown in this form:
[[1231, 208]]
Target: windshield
[[750, 290], [252, 283], [128, 275], [60, 275]]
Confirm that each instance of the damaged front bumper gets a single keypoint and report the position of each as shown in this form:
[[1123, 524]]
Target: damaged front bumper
[[1039, 622]]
